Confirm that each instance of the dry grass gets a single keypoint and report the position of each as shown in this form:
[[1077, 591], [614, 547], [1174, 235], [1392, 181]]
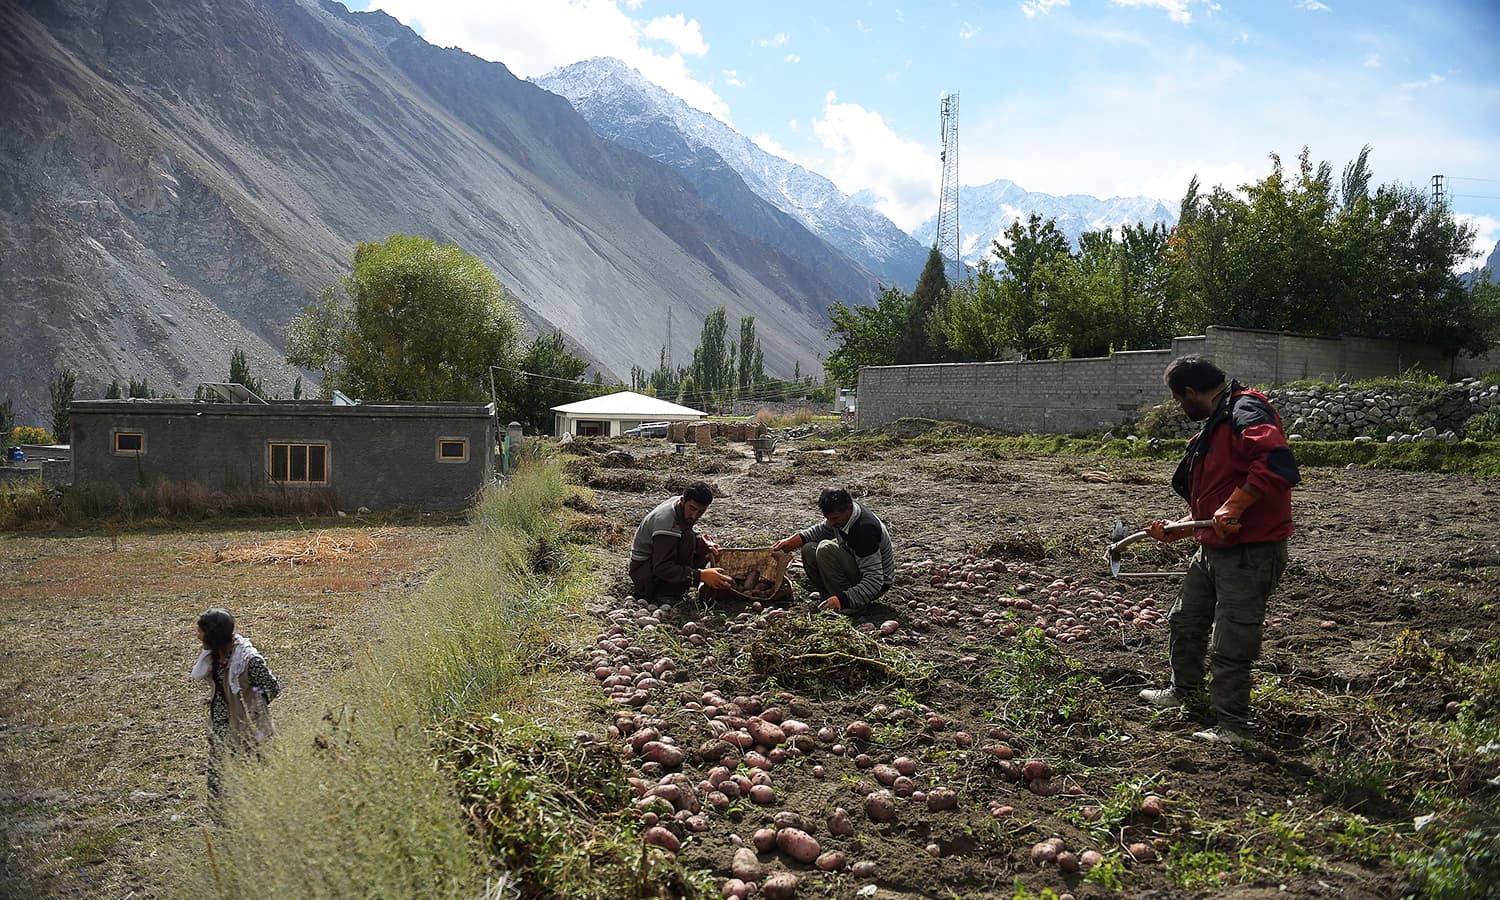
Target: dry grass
[[104, 748], [322, 547]]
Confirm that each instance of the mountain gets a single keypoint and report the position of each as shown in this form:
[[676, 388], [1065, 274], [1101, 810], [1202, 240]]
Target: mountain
[[624, 107], [180, 179], [985, 211]]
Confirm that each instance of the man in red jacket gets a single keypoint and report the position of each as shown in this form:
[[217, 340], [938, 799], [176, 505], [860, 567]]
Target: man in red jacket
[[1239, 472]]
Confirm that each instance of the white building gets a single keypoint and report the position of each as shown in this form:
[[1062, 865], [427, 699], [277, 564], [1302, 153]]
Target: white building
[[613, 414]]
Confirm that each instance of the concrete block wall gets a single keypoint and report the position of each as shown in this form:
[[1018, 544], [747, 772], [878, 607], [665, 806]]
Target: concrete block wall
[[1056, 396], [1083, 395]]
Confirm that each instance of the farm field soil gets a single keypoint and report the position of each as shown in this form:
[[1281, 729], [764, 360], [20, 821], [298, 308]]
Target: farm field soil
[[102, 734], [990, 547]]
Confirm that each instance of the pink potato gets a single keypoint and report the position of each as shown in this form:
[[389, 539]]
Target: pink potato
[[1090, 858], [1152, 806], [735, 888], [763, 794], [905, 765], [1067, 863], [839, 823], [1044, 852], [763, 839], [663, 838], [745, 866], [665, 754], [865, 868], [1035, 768], [781, 886], [881, 806], [1142, 852], [940, 799], [859, 729], [831, 861], [798, 844]]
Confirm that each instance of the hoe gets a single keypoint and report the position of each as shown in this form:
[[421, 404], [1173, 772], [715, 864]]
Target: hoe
[[1122, 537]]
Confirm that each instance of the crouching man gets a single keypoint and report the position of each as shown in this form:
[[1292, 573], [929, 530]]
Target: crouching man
[[847, 556], [668, 557]]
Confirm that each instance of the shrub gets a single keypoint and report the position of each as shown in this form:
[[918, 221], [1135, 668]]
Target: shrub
[[29, 434], [1483, 427]]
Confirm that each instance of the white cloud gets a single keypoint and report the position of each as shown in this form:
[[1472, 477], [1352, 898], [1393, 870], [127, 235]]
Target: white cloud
[[792, 58], [861, 27], [1372, 60], [534, 38], [1177, 10], [682, 33], [793, 124], [1430, 81], [775, 41], [634, 4], [1312, 6], [732, 78], [967, 31], [1040, 7], [865, 153]]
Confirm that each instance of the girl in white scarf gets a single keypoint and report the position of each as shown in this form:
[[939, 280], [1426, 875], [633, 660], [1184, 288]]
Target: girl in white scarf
[[239, 715]]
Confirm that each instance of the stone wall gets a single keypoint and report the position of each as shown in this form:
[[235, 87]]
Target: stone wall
[[1346, 412]]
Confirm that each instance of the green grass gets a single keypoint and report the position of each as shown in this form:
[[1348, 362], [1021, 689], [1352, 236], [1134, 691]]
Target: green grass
[[395, 783]]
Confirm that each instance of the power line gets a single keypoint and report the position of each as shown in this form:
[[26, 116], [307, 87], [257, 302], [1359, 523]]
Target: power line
[[1472, 178], [1476, 196]]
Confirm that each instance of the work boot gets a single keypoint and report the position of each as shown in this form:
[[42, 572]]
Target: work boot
[[1223, 734], [1166, 698]]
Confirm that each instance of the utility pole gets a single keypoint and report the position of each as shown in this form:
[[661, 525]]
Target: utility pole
[[1439, 193], [947, 239]]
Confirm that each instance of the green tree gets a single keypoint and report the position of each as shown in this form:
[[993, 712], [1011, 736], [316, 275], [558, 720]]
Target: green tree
[[922, 338], [297, 388], [239, 373], [1035, 257], [550, 376], [866, 335], [714, 365], [974, 323], [114, 391], [7, 423], [1297, 252], [62, 389], [748, 341], [414, 320], [139, 388]]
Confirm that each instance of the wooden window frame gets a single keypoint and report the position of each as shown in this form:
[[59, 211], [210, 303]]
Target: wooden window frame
[[307, 446], [452, 440], [114, 440]]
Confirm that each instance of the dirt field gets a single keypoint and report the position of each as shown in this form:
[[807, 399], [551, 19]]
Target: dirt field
[[102, 735], [1353, 708]]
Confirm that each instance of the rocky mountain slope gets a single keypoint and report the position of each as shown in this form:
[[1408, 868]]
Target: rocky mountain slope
[[180, 179], [626, 108]]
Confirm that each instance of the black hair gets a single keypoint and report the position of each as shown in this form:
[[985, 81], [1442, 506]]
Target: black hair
[[1194, 372], [834, 500], [218, 628], [699, 492]]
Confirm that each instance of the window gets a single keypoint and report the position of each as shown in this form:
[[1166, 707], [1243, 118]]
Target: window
[[130, 443], [299, 463], [454, 450], [587, 428]]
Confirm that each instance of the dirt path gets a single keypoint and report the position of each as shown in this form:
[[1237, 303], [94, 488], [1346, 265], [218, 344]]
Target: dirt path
[[1377, 554], [102, 745]]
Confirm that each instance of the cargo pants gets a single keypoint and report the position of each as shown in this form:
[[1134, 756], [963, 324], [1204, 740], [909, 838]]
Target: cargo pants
[[1220, 614], [830, 568]]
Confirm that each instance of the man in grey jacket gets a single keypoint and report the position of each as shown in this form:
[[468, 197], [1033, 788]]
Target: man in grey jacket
[[668, 557], [847, 556]]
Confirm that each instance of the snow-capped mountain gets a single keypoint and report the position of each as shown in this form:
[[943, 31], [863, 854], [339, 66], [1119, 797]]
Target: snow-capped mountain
[[622, 106], [985, 211]]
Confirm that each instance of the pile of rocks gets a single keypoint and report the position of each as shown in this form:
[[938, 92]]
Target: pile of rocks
[[1345, 412]]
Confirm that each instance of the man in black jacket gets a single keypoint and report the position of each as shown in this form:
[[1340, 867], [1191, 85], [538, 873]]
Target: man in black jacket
[[847, 556]]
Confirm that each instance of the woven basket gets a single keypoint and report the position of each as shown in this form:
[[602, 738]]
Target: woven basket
[[764, 563]]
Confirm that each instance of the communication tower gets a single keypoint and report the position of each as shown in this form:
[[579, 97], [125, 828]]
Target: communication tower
[[947, 240]]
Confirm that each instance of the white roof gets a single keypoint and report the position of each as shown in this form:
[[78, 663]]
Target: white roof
[[628, 404]]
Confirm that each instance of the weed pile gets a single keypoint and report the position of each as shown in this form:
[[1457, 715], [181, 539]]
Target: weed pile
[[321, 547], [824, 653], [552, 813]]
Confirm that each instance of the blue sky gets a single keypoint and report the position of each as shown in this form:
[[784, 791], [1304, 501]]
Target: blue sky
[[1102, 97]]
